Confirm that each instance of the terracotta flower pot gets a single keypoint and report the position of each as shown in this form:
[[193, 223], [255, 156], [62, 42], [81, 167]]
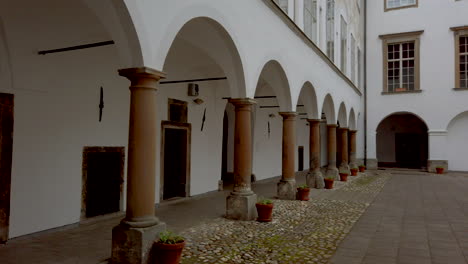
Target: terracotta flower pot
[[440, 170], [362, 169], [344, 176], [354, 172], [328, 183], [168, 253], [264, 212], [303, 194]]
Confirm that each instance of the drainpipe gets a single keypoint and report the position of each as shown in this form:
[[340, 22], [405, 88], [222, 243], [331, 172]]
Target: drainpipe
[[365, 82]]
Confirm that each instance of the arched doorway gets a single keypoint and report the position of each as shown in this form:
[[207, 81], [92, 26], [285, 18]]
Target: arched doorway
[[402, 142]]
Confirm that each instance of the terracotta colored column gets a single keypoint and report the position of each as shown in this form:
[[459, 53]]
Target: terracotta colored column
[[133, 238], [240, 204], [314, 177], [352, 149], [343, 133], [287, 184], [332, 170]]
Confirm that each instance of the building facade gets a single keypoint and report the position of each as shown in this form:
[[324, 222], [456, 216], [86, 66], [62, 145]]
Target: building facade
[[220, 91]]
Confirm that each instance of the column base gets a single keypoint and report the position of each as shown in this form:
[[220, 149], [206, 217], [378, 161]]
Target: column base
[[314, 179], [333, 173], [433, 164], [133, 245], [241, 207], [287, 190], [372, 164], [345, 168]]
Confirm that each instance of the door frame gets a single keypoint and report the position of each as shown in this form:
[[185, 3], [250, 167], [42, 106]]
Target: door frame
[[84, 182], [175, 125]]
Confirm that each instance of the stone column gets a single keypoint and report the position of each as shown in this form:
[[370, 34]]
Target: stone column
[[240, 204], [314, 177], [332, 170], [352, 149], [343, 133], [133, 238], [287, 184]]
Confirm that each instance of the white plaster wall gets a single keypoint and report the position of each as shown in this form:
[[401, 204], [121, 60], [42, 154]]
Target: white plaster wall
[[56, 109], [437, 65], [457, 143]]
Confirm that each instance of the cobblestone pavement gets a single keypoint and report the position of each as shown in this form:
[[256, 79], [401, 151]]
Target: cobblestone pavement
[[301, 232], [418, 218]]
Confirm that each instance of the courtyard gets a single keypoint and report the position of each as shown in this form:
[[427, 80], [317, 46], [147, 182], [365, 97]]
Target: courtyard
[[380, 216]]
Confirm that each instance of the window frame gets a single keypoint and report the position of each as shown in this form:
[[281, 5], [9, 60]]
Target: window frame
[[399, 38], [330, 29], [343, 45], [400, 7], [458, 32]]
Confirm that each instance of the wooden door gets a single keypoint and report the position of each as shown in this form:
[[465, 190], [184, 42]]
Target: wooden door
[[6, 150]]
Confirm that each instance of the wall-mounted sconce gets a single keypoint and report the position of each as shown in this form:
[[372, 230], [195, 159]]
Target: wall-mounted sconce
[[198, 101], [193, 89]]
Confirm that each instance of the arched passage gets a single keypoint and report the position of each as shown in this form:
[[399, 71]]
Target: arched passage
[[329, 118], [203, 68], [457, 145], [352, 120], [402, 141], [273, 96], [56, 95]]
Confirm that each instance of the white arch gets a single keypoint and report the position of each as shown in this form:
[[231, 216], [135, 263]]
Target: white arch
[[275, 76], [309, 99], [328, 108]]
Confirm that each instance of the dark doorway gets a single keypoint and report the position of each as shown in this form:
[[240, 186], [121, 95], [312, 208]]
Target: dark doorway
[[103, 178], [175, 160], [402, 142], [224, 162], [301, 158], [6, 150]]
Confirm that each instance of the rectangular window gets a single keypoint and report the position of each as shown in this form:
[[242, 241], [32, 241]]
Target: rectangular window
[[401, 62], [401, 67], [344, 44], [283, 4], [359, 77], [310, 19], [394, 4], [463, 63], [353, 59], [331, 29], [461, 57]]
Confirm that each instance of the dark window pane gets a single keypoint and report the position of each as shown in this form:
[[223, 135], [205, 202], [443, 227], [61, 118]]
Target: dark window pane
[[405, 64], [463, 84], [396, 64], [411, 54], [390, 48], [411, 63], [462, 48], [462, 67], [390, 56], [396, 55], [411, 45]]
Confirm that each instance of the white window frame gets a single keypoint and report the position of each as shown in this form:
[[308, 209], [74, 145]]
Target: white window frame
[[330, 29], [310, 19], [401, 4], [344, 45], [353, 59]]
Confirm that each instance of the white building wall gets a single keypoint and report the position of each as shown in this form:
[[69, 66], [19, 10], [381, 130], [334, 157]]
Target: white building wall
[[436, 71]]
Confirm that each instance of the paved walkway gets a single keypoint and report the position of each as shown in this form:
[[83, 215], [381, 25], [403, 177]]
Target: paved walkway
[[417, 218]]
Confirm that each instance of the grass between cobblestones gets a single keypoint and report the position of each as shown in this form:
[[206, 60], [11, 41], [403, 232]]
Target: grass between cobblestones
[[301, 232]]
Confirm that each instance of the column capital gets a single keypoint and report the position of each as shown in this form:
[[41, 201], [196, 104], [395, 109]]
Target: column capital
[[242, 101], [351, 131], [288, 115], [142, 77], [312, 121], [343, 128]]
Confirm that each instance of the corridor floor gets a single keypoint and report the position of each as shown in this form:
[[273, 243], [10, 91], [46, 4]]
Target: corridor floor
[[416, 218]]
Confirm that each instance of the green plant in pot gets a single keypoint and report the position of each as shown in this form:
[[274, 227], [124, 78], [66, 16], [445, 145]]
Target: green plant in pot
[[264, 210], [329, 180], [344, 175], [168, 249], [440, 170], [303, 192], [362, 168], [354, 171]]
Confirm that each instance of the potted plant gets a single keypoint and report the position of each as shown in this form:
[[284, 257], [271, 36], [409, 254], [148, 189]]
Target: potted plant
[[362, 168], [440, 170], [264, 210], [168, 249], [329, 182], [303, 192], [343, 175], [354, 171]]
